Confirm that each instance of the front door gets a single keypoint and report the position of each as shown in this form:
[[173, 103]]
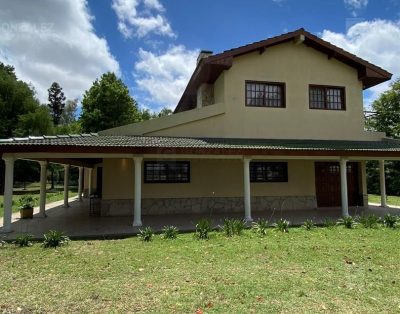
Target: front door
[[327, 184]]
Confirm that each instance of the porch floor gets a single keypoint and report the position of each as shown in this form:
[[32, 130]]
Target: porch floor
[[76, 222]]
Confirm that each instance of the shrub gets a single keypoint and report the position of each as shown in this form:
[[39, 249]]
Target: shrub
[[261, 227], [54, 238], [238, 226], [24, 240], [203, 229], [308, 224], [146, 234], [369, 221], [170, 232], [329, 223], [228, 227], [348, 222], [390, 221], [282, 225], [233, 227]]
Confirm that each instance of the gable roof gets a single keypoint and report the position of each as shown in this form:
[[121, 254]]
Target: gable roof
[[209, 69]]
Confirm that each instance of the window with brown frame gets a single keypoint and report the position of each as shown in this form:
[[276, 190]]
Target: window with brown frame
[[166, 172], [327, 97], [265, 94], [268, 172]]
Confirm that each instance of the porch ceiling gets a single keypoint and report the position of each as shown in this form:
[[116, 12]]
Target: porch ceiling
[[93, 143]]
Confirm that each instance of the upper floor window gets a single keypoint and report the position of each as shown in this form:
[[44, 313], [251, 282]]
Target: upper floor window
[[166, 172], [327, 97], [265, 94], [268, 172]]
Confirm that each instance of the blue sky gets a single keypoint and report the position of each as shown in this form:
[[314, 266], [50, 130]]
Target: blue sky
[[153, 44]]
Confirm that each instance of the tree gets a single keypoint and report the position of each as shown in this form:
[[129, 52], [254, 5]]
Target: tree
[[38, 122], [17, 98], [386, 118], [69, 113], [386, 108], [107, 104], [56, 102], [20, 111], [68, 122]]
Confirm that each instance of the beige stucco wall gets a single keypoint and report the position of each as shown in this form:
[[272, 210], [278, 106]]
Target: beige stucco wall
[[297, 66], [209, 177]]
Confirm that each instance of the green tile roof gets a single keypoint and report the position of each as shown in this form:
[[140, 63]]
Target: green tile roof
[[94, 140]]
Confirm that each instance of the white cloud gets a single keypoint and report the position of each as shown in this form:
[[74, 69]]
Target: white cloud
[[138, 18], [163, 77], [48, 40], [376, 41], [355, 5]]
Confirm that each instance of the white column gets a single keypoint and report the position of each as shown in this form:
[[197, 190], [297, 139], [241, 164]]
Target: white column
[[66, 181], [80, 184], [137, 213], [364, 183], [247, 194], [43, 182], [343, 187], [8, 193], [90, 182], [382, 182]]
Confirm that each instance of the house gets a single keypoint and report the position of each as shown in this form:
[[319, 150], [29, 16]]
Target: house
[[274, 124]]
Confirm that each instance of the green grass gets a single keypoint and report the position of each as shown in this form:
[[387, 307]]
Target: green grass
[[323, 270], [391, 200], [51, 196]]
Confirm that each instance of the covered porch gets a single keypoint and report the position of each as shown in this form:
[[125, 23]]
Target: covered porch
[[115, 168], [76, 222]]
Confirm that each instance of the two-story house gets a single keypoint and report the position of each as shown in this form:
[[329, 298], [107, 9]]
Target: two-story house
[[274, 124]]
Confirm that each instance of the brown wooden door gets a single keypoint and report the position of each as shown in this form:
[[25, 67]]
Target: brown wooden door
[[327, 184]]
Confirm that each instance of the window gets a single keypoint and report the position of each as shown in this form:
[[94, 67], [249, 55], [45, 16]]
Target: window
[[166, 171], [268, 172], [327, 97], [263, 94]]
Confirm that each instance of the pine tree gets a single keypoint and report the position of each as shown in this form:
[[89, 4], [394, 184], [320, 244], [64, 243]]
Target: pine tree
[[56, 102]]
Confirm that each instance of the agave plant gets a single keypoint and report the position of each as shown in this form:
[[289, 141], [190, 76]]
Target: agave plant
[[390, 221], [146, 234], [170, 232], [348, 222], [260, 226], [203, 229], [308, 224], [54, 238], [282, 225], [23, 240]]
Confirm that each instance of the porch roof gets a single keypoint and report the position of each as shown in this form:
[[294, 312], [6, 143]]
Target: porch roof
[[93, 143]]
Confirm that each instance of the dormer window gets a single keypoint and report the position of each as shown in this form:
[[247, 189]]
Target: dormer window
[[327, 97], [265, 94]]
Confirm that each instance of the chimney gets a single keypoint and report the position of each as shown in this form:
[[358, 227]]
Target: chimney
[[203, 54]]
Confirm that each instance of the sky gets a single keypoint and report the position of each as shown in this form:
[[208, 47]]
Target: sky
[[152, 45]]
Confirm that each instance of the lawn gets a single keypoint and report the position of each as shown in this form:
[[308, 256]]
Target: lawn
[[391, 200], [322, 270], [33, 189]]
